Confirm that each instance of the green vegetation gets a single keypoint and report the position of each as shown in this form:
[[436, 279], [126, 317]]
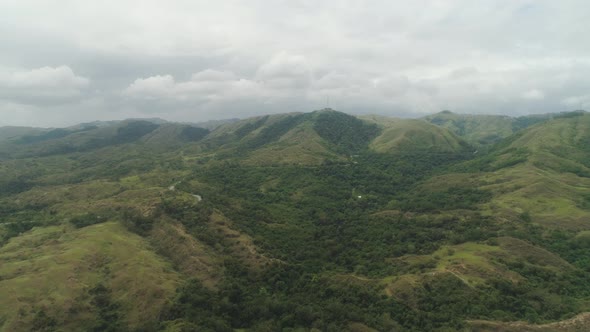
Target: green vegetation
[[250, 127], [297, 222], [52, 134], [412, 136], [348, 133], [193, 133], [485, 130], [273, 131], [96, 277]]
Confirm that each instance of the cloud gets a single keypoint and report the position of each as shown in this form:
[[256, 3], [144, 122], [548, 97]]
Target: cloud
[[155, 87], [205, 86], [46, 77], [578, 102], [196, 60], [42, 85], [287, 79], [285, 71], [393, 86], [210, 75], [533, 94], [283, 75]]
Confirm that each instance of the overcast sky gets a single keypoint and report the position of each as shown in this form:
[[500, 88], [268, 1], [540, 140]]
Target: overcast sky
[[67, 61]]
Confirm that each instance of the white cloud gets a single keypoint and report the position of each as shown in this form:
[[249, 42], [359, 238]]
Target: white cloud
[[533, 94], [211, 75], [285, 71], [46, 77], [46, 84], [160, 86], [205, 86], [578, 102], [280, 77]]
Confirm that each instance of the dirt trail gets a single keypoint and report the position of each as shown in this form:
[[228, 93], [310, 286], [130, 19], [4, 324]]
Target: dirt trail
[[579, 323]]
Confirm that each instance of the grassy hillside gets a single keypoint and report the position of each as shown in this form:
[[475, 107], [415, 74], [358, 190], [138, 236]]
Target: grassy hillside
[[96, 277], [403, 135], [540, 174]]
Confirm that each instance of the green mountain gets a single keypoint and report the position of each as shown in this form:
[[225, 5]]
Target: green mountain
[[94, 136], [296, 222], [11, 132], [547, 169], [483, 130], [295, 138], [409, 135]]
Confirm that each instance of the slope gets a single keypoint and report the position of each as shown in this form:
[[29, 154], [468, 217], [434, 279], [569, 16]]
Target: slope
[[326, 135], [96, 277], [89, 239], [45, 142], [294, 138], [483, 130], [541, 174], [403, 135]]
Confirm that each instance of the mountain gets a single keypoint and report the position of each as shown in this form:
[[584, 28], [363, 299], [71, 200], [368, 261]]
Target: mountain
[[274, 139], [88, 137], [403, 135], [483, 130], [298, 221], [313, 138], [295, 138], [10, 132], [212, 124], [548, 168]]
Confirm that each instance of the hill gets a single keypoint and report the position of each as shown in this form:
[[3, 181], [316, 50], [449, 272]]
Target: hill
[[483, 130], [403, 135], [87, 137], [11, 132], [315, 137], [539, 171]]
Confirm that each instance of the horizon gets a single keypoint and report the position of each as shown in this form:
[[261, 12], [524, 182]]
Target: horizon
[[419, 116]]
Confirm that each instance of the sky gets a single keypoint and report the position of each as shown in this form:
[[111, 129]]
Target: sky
[[64, 62]]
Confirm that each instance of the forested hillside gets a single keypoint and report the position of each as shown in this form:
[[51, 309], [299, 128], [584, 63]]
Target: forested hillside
[[316, 221]]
